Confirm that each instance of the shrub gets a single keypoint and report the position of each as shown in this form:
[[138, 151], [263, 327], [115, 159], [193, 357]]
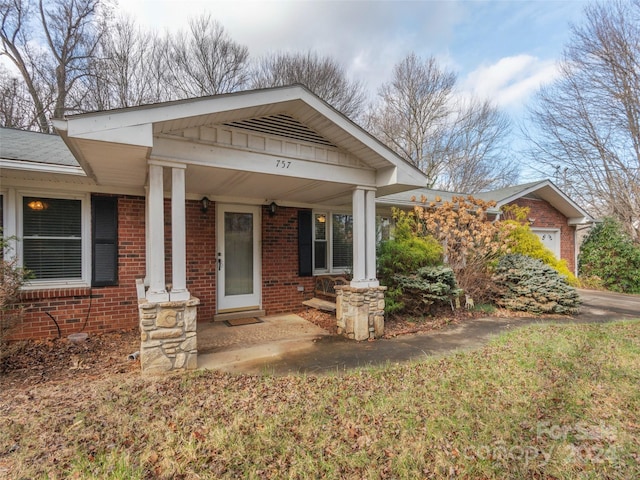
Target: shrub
[[471, 242], [522, 240], [12, 278], [527, 284], [608, 257], [405, 254], [428, 286]]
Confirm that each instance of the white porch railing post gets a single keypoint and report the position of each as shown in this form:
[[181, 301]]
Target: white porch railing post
[[178, 236], [157, 291]]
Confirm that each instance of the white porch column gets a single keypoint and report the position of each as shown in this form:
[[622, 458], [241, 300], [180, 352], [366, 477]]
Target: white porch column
[[370, 237], [178, 236], [155, 253], [359, 239]]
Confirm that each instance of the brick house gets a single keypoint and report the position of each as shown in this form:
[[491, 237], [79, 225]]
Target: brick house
[[203, 209], [553, 216], [163, 214]]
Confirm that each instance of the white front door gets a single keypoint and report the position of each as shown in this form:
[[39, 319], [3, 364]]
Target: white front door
[[238, 257]]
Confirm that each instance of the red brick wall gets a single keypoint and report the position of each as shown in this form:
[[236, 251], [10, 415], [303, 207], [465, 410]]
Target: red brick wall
[[547, 216], [201, 258], [113, 308], [280, 278], [102, 308]]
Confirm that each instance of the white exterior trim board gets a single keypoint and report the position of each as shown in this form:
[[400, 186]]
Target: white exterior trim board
[[41, 167]]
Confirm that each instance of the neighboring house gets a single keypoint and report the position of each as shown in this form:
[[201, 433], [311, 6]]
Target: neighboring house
[[553, 216], [223, 205]]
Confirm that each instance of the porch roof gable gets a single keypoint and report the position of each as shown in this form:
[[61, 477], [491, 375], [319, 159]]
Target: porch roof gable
[[122, 141]]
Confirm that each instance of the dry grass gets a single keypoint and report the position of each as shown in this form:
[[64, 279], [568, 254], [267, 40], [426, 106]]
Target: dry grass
[[549, 401]]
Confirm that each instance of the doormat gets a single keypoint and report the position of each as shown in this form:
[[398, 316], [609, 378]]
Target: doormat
[[242, 321]]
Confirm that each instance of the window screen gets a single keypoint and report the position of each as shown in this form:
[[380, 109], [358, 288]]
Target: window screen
[[52, 238]]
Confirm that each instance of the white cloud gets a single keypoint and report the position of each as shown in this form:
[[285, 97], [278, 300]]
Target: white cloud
[[511, 81], [367, 37]]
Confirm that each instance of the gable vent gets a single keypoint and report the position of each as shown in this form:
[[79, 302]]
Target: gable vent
[[282, 126]]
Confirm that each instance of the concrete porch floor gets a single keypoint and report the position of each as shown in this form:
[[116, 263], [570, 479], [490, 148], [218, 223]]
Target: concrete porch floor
[[226, 348]]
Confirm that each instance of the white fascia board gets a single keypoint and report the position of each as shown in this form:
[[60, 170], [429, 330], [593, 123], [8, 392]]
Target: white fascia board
[[397, 175], [579, 221], [138, 135], [41, 167], [247, 161], [162, 112]]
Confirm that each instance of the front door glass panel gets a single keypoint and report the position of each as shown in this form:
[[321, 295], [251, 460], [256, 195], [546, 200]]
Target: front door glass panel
[[238, 247]]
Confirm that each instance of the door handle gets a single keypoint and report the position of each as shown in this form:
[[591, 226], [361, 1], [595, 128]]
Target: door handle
[[219, 261]]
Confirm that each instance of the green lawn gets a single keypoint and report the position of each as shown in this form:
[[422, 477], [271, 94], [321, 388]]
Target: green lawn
[[541, 402]]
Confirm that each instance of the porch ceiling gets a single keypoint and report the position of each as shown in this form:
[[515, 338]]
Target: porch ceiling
[[264, 188]]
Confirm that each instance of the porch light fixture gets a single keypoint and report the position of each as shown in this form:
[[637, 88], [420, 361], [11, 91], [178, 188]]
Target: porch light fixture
[[205, 204], [272, 209], [37, 205]]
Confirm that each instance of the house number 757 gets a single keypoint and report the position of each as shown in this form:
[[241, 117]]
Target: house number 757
[[283, 164]]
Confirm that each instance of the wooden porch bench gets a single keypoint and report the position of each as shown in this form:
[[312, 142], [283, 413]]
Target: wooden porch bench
[[325, 287]]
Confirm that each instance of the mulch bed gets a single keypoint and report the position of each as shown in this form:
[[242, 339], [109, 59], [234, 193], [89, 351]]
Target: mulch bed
[[34, 362]]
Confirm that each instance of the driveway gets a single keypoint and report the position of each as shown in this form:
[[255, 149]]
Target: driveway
[[335, 355]]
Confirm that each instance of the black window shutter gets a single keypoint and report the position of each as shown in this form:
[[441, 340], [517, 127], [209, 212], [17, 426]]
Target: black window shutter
[[104, 214], [305, 243]]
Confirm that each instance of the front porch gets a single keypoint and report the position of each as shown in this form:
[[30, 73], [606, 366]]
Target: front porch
[[281, 170]]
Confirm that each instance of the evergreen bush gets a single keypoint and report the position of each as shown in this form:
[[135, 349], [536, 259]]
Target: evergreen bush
[[522, 240], [608, 257], [428, 286], [528, 285], [405, 254]]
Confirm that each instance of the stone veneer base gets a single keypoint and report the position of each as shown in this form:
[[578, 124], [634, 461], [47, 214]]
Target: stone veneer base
[[168, 336], [360, 311]]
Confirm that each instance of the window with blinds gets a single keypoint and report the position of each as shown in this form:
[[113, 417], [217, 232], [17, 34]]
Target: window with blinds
[[52, 238], [320, 241], [332, 242], [342, 241]]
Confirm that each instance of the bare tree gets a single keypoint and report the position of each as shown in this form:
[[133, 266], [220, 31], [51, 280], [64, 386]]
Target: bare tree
[[16, 107], [587, 123], [457, 144], [130, 68], [472, 158], [50, 43], [324, 76], [206, 61]]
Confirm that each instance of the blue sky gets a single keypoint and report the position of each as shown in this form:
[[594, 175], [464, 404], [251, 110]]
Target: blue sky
[[501, 50]]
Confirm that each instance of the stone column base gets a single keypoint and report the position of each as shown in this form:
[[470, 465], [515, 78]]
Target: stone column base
[[360, 311], [168, 336]]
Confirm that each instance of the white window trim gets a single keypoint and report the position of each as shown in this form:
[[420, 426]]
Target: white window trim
[[85, 213], [329, 241]]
